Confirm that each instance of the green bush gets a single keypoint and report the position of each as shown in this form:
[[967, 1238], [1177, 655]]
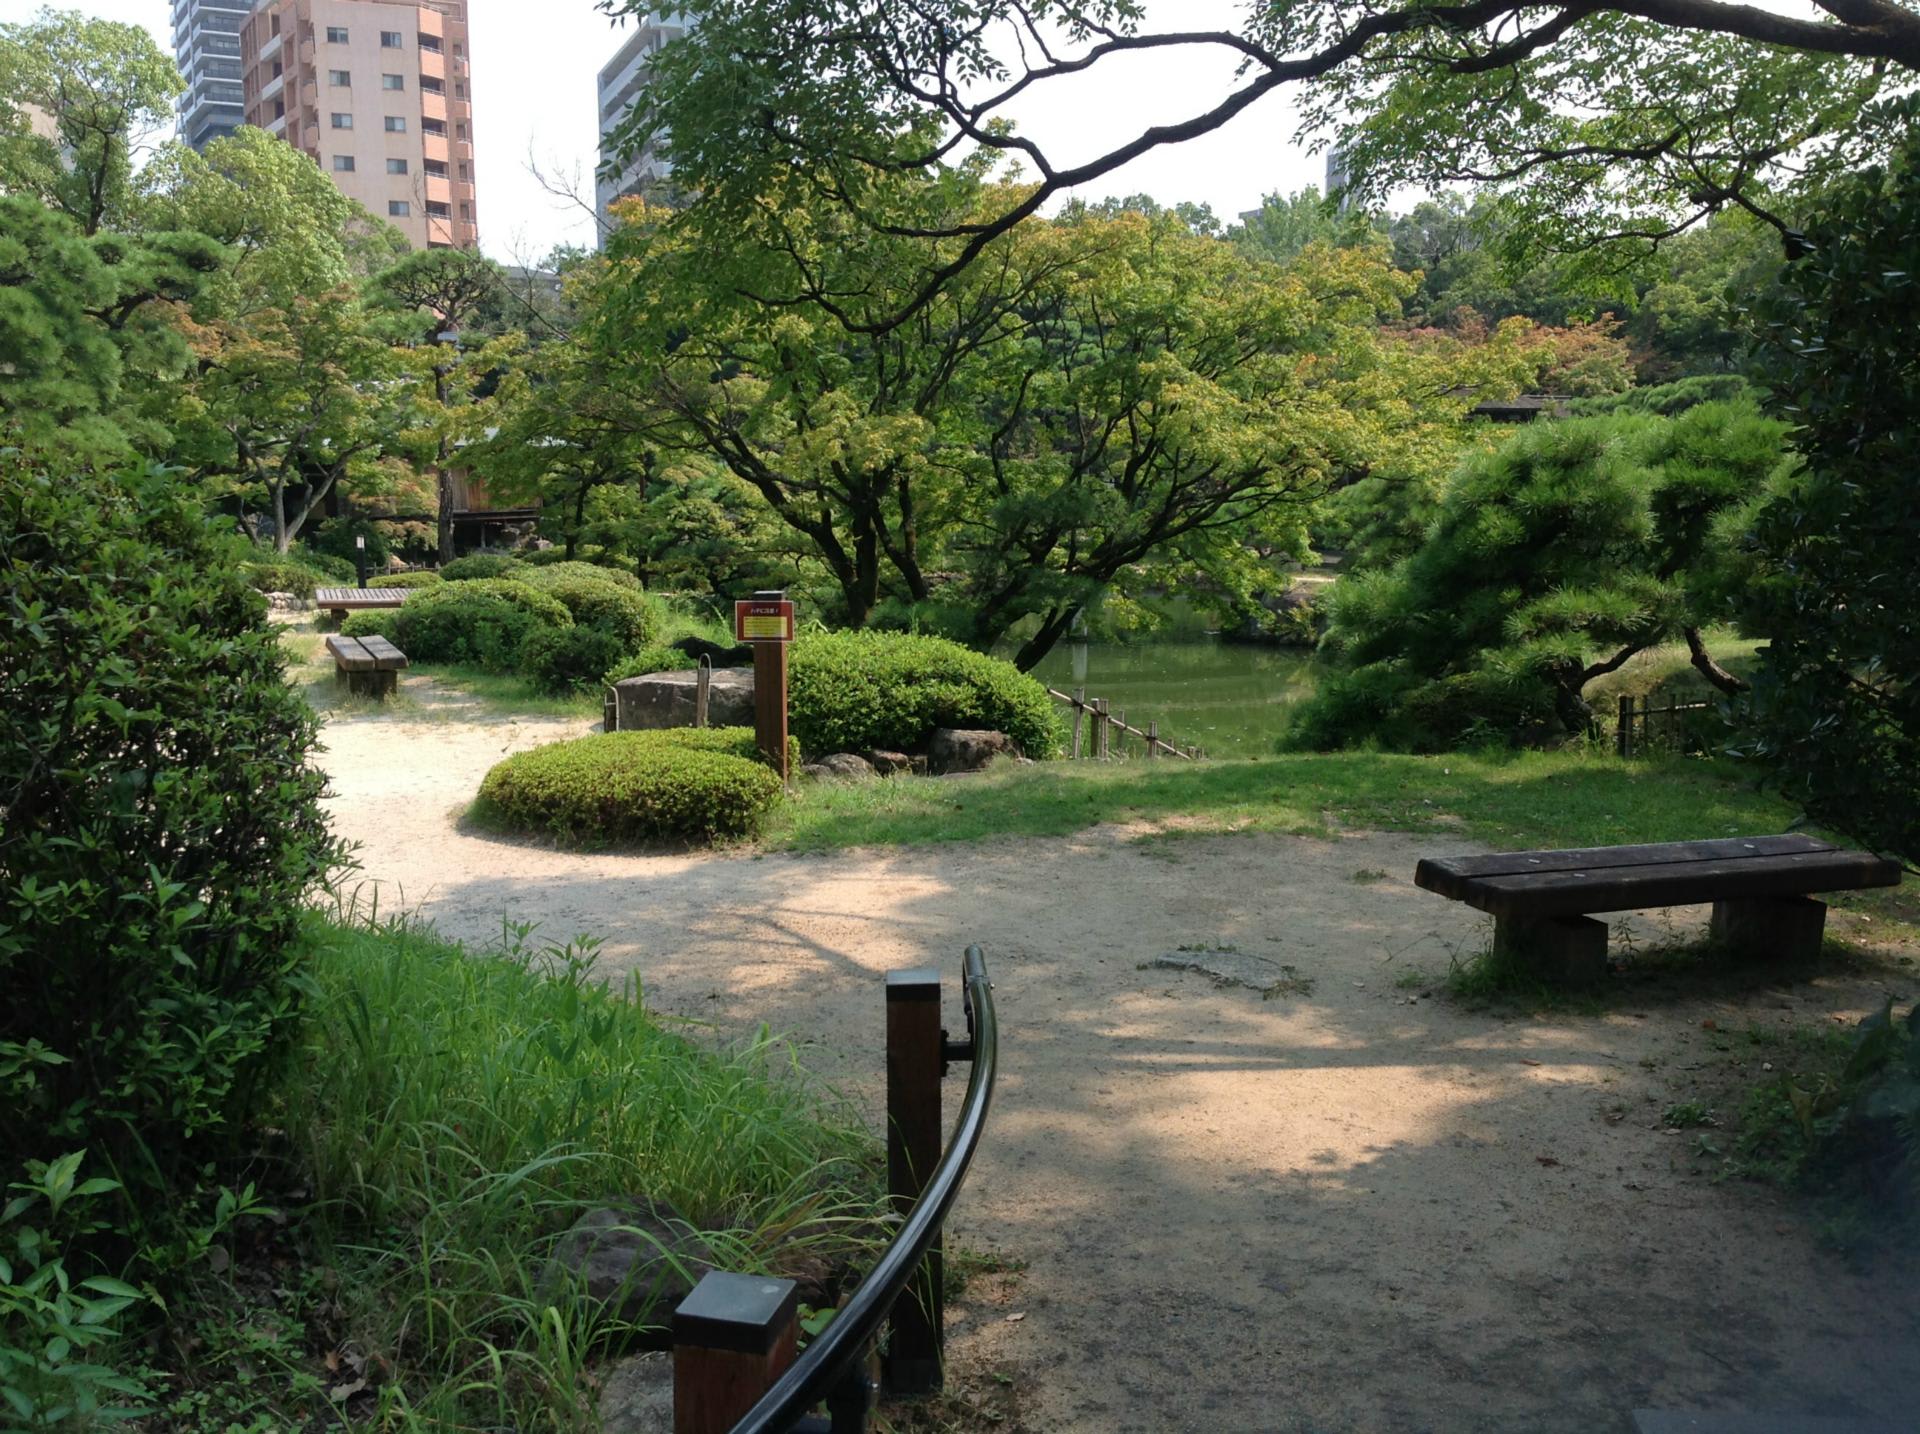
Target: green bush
[[481, 565], [405, 580], [335, 543], [377, 622], [544, 557], [483, 620], [594, 603], [336, 570], [570, 659], [650, 660], [856, 691], [276, 576], [683, 784], [547, 575], [163, 830]]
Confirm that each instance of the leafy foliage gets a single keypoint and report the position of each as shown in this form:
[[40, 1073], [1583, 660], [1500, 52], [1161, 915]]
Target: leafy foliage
[[286, 577], [689, 784], [1836, 709], [162, 828], [1556, 558], [858, 691], [486, 621], [480, 565], [404, 580], [571, 659], [650, 660]]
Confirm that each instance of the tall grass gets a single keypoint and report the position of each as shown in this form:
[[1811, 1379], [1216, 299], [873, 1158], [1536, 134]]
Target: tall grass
[[453, 1114]]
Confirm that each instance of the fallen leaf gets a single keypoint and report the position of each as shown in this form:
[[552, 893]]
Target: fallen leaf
[[1528, 1061], [1546, 1160], [343, 1392], [218, 1259], [1016, 1318], [1709, 1025]]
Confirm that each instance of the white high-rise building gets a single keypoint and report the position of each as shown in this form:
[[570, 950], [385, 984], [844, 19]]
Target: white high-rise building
[[206, 46], [624, 77]]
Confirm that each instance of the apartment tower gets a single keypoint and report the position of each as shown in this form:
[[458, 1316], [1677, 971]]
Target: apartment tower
[[380, 94], [623, 78], [206, 46]]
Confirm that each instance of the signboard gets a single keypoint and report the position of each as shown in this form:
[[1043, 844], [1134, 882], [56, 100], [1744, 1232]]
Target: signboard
[[763, 620]]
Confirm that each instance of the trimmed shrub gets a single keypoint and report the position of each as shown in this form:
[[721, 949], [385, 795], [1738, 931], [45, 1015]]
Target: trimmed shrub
[[544, 557], [376, 622], [483, 620], [331, 566], [570, 659], [335, 542], [684, 785], [593, 603], [546, 575], [163, 831], [481, 565], [405, 580], [649, 660], [278, 576], [854, 691]]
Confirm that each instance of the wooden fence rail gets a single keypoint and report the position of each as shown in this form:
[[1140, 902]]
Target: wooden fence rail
[[1106, 722]]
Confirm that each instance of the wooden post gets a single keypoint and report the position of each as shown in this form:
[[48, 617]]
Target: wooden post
[[732, 1338], [702, 686], [1120, 727], [1101, 736], [610, 711], [770, 696], [1153, 740], [1623, 738], [915, 1063], [1079, 713]]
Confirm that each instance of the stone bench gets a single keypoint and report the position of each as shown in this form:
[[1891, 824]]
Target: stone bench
[[370, 666], [1541, 901]]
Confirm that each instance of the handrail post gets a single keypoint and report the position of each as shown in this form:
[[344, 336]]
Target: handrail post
[[733, 1336], [702, 686], [1153, 740], [915, 1063], [1102, 737], [1079, 714], [1623, 738]]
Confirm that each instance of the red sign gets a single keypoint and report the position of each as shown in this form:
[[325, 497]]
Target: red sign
[[758, 620]]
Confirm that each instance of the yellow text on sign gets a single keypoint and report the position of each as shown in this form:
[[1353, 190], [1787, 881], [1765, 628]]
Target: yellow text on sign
[[772, 627]]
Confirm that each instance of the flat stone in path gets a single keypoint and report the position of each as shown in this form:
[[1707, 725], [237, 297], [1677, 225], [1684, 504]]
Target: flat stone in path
[[1227, 966], [666, 699], [1671, 1421]]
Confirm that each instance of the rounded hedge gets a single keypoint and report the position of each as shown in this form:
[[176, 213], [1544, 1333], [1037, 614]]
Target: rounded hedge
[[162, 833], [481, 565], [375, 622], [857, 691], [405, 580], [594, 603], [482, 620], [570, 659], [682, 784], [545, 575], [649, 660], [284, 576]]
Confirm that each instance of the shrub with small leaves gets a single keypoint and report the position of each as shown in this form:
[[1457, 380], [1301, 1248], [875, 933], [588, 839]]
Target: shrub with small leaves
[[592, 602], [483, 620], [570, 659], [649, 660], [285, 577], [686, 784], [855, 691], [375, 622], [546, 575], [405, 580], [481, 565]]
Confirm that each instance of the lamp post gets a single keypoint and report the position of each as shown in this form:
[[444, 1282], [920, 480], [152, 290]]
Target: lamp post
[[360, 556]]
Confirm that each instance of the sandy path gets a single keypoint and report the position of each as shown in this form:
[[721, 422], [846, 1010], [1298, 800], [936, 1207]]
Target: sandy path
[[1349, 1210]]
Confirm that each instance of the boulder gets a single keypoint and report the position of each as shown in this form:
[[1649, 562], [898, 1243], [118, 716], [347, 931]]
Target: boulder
[[888, 763], [959, 749], [739, 655], [665, 699], [844, 765], [636, 1397], [634, 1257]]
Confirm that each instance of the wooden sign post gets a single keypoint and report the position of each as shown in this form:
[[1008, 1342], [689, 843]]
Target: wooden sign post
[[766, 621]]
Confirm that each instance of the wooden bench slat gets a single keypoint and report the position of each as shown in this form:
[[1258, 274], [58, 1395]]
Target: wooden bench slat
[[350, 655], [343, 599], [1678, 883], [389, 657], [1447, 875]]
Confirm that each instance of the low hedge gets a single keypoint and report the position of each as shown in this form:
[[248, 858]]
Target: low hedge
[[483, 620], [375, 622], [649, 660], [570, 659], [482, 565], [681, 784], [855, 691], [284, 576], [593, 602], [546, 575], [405, 580]]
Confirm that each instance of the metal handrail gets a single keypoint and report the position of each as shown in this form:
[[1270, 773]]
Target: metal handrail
[[833, 1353]]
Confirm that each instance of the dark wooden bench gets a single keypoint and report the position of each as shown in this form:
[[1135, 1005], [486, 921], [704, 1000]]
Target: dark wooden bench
[[1760, 888], [341, 601], [368, 665]]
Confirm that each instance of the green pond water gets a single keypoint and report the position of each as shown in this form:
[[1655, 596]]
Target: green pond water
[[1229, 699]]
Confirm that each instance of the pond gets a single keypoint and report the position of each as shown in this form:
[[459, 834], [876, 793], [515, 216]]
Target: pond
[[1225, 697]]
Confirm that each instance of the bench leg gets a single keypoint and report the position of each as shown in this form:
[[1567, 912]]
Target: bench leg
[[1774, 928], [1563, 950], [385, 683]]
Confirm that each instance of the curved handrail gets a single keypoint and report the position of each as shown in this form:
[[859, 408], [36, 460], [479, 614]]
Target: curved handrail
[[830, 1354]]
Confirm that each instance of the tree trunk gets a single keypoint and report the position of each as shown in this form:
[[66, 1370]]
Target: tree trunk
[[1703, 662], [446, 478], [1052, 628], [282, 539]]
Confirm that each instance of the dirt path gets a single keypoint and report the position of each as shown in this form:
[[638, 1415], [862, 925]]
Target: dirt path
[[1353, 1208]]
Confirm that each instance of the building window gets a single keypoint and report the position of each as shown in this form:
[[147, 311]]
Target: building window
[[340, 79], [430, 44], [437, 209], [435, 168], [456, 49], [433, 126], [459, 89], [341, 121], [396, 166], [343, 164], [460, 129], [393, 82], [431, 86], [396, 124], [336, 34], [463, 171], [278, 70], [399, 209], [466, 210], [392, 40], [279, 109], [273, 27]]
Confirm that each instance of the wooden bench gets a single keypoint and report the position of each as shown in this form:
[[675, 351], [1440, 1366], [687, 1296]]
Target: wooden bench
[[341, 601], [1760, 888], [368, 665]]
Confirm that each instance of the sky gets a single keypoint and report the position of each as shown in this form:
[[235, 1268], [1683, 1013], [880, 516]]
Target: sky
[[534, 63]]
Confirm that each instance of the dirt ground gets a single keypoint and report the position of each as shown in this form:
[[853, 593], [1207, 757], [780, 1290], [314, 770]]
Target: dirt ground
[[1355, 1206]]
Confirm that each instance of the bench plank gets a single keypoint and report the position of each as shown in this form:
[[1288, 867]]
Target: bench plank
[[348, 599], [1448, 876], [350, 655], [385, 655], [1676, 883]]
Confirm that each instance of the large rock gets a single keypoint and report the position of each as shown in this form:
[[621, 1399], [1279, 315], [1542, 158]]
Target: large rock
[[739, 655], [632, 1257], [888, 764], [665, 699], [636, 1396], [844, 765], [959, 749]]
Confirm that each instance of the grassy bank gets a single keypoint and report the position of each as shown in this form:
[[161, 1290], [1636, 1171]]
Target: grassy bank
[[449, 1117], [1516, 799]]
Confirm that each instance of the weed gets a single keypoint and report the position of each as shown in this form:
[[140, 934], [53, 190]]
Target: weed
[[1412, 979], [1366, 876], [1686, 1115]]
